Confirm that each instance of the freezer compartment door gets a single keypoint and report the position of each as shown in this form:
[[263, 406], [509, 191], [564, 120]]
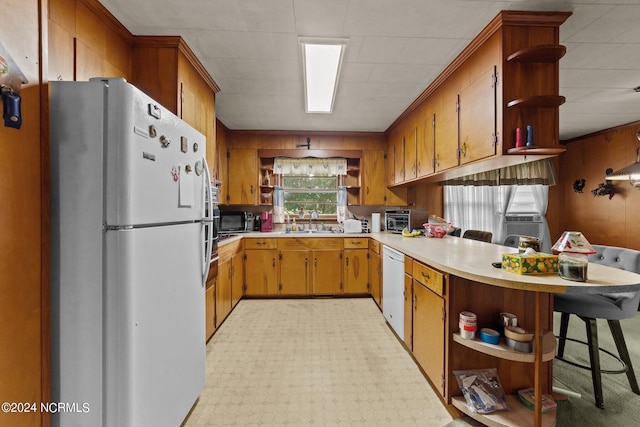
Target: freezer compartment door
[[155, 171], [155, 324]]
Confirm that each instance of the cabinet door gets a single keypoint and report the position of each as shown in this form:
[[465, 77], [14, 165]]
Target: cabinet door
[[408, 311], [223, 291], [398, 159], [237, 278], [242, 179], [410, 141], [478, 118], [446, 133], [261, 275], [428, 333], [326, 272], [210, 309], [425, 148], [375, 274], [374, 177], [294, 272], [356, 271]]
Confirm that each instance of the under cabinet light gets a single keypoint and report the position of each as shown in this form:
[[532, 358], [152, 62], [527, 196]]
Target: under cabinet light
[[321, 62]]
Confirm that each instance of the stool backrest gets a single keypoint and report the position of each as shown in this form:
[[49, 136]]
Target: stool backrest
[[483, 236], [624, 259]]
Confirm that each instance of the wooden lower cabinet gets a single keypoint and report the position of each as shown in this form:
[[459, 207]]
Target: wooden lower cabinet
[[428, 333], [375, 272], [294, 271], [261, 273], [326, 272], [223, 291], [355, 265], [237, 278], [210, 310], [408, 311], [429, 323]]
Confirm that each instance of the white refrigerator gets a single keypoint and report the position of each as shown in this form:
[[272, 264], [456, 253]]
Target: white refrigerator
[[129, 258]]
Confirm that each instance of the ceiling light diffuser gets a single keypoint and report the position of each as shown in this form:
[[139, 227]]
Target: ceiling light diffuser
[[321, 60]]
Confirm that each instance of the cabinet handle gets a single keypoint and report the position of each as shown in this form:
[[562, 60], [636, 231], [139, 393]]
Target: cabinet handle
[[415, 302], [356, 242], [347, 261], [367, 189], [463, 149], [251, 189], [261, 243], [426, 276], [315, 262], [273, 262]]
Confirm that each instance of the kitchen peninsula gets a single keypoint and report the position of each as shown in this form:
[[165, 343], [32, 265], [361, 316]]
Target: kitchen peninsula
[[451, 275]]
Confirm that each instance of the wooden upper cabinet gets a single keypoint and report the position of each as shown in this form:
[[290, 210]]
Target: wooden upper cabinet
[[410, 141], [166, 69], [374, 179], [398, 158], [241, 181], [446, 132], [478, 118], [425, 147]]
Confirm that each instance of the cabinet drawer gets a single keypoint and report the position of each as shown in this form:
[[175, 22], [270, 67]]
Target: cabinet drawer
[[429, 277], [292, 243], [374, 246], [408, 265], [260, 244], [356, 242]]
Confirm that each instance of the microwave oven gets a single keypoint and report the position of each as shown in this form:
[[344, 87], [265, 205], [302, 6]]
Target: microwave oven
[[236, 221], [396, 220]]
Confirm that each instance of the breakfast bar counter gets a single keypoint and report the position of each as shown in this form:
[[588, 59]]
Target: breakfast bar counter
[[471, 259]]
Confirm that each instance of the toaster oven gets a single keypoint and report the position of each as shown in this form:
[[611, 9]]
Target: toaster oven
[[396, 220]]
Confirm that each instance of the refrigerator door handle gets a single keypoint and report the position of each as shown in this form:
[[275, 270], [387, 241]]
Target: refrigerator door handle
[[207, 224]]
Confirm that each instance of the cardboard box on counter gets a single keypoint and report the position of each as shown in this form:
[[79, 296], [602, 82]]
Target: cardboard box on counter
[[530, 264]]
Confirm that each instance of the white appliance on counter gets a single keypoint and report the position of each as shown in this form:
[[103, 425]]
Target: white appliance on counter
[[393, 288], [129, 257]]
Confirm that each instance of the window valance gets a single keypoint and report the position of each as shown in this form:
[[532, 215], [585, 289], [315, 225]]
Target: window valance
[[539, 172], [310, 166]]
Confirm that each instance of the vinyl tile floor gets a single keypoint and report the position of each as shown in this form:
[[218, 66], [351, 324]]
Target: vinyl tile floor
[[299, 362]]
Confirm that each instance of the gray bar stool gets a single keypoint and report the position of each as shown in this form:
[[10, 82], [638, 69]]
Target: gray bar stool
[[612, 307]]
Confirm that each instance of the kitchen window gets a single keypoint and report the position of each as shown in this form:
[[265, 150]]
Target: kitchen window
[[309, 193], [311, 184]]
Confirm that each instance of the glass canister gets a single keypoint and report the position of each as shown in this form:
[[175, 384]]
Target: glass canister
[[573, 266], [528, 242]]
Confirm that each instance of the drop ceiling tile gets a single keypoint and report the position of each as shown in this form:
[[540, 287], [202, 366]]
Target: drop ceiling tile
[[273, 15], [610, 25], [320, 18]]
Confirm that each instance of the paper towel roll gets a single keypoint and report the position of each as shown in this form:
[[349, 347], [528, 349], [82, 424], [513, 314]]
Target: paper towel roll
[[375, 222]]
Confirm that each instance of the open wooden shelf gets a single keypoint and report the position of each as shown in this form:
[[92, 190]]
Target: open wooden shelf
[[502, 351], [518, 415], [549, 101], [541, 53], [540, 150]]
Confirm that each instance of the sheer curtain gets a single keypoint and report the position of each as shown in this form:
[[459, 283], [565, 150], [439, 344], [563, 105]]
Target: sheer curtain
[[541, 198], [472, 207], [507, 193]]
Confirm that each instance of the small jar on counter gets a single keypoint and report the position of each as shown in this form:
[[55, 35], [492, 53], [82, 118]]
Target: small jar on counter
[[528, 242], [572, 266]]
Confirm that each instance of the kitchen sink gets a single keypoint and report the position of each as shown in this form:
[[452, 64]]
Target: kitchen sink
[[313, 231]]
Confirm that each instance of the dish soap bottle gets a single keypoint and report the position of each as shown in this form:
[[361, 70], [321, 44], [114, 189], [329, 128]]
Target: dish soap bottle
[[294, 227]]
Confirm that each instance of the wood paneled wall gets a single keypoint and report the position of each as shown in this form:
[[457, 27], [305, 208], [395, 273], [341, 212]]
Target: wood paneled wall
[[603, 221], [23, 235]]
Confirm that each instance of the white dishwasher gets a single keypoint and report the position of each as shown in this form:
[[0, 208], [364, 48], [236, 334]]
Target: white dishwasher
[[393, 289]]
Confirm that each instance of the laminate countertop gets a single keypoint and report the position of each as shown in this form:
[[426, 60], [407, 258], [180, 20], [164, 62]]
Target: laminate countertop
[[471, 259]]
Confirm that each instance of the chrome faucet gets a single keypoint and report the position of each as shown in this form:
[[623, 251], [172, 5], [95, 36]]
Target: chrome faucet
[[314, 215]]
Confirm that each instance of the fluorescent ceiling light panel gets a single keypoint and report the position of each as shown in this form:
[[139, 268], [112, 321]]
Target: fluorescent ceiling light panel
[[321, 64]]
